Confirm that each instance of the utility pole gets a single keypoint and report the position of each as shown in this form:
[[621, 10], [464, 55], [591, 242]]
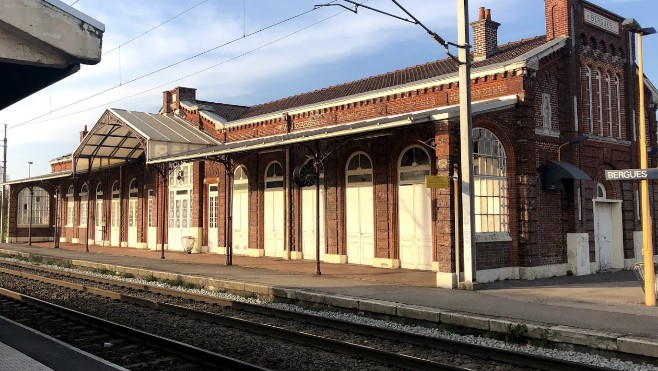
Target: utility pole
[[466, 144], [4, 180]]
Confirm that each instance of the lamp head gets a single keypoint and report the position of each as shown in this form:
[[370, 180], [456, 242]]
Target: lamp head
[[630, 24], [579, 138]]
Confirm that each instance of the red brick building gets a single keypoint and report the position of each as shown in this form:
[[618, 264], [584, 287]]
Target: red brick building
[[242, 179]]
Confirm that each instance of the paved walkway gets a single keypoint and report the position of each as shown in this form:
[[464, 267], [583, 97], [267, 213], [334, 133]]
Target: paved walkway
[[605, 303]]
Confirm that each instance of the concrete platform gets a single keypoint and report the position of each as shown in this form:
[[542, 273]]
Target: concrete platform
[[604, 310], [23, 349]]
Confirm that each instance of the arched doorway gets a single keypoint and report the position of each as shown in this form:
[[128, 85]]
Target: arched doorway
[[359, 210], [133, 194], [180, 206], [240, 211], [414, 210], [309, 219], [99, 216], [115, 212], [213, 232], [274, 210], [608, 231]]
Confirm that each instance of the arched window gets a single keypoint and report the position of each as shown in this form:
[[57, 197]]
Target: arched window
[[600, 100], [583, 40], [70, 206], [274, 176], [588, 99], [359, 169], [414, 165], [40, 206], [613, 50], [115, 189], [240, 180], [618, 103], [132, 189], [609, 105], [84, 197], [600, 191], [592, 42], [489, 183]]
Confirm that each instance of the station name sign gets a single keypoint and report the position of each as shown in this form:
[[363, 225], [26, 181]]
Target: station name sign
[[631, 174], [600, 21]]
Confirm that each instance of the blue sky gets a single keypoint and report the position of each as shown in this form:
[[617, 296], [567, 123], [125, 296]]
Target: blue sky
[[339, 49]]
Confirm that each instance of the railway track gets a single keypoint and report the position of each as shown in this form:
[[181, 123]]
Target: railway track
[[435, 347], [121, 345]]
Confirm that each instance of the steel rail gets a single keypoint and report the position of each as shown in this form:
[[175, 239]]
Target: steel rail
[[475, 350], [185, 351]]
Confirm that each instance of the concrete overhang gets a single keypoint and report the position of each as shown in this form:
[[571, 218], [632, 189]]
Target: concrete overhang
[[41, 42]]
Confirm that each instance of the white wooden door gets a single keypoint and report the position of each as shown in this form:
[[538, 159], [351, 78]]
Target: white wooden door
[[309, 222], [240, 220], [603, 234], [99, 222], [180, 219], [152, 230], [274, 222], [132, 222], [115, 223], [415, 226], [360, 225], [213, 231]]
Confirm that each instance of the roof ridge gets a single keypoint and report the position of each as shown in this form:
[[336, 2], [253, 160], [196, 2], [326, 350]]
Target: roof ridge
[[429, 64]]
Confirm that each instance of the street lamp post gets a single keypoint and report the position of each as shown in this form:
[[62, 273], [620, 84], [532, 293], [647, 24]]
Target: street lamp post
[[29, 167], [649, 275], [575, 140]]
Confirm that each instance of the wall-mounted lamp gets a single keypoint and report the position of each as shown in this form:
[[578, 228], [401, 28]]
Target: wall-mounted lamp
[[575, 140]]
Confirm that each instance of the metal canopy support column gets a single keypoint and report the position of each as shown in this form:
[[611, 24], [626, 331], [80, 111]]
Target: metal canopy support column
[[29, 229]]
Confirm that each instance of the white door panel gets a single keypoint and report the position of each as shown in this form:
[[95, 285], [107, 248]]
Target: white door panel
[[309, 222]]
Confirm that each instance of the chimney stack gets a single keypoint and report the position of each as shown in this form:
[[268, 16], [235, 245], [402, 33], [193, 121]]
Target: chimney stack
[[83, 133], [485, 36]]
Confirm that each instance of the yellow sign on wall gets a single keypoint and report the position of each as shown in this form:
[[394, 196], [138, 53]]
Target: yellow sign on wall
[[437, 181]]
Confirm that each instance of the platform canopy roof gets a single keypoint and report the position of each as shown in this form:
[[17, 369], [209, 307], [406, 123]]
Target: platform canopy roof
[[122, 136], [43, 41]]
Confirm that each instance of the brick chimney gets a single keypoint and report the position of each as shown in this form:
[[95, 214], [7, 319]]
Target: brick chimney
[[83, 133], [558, 18], [485, 36], [171, 99]]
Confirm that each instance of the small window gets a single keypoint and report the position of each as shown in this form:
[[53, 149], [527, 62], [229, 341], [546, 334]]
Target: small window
[[132, 189], [546, 110], [240, 180], [600, 191], [414, 166]]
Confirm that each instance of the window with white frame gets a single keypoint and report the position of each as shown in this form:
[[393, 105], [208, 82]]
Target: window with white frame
[[609, 105], [181, 176], [84, 197], [40, 200], [588, 99], [618, 100], [489, 183], [600, 101], [70, 206], [151, 201], [546, 111], [212, 206]]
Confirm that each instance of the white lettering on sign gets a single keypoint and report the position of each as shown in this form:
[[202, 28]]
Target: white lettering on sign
[[631, 174], [601, 22]]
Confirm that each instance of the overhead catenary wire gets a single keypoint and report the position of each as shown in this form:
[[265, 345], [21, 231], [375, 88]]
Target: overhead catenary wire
[[169, 66], [183, 77], [152, 28]]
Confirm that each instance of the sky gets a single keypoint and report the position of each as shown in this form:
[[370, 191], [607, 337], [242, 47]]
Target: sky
[[227, 50]]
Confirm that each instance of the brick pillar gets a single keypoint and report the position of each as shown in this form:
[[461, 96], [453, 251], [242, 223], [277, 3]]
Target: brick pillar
[[558, 18], [445, 242]]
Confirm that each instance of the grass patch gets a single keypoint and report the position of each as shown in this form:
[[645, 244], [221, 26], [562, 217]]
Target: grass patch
[[105, 271], [150, 278], [126, 275]]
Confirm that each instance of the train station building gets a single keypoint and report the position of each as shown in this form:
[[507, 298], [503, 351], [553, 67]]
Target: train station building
[[345, 167]]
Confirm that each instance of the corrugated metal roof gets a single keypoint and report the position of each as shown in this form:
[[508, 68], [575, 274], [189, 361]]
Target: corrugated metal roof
[[132, 134]]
